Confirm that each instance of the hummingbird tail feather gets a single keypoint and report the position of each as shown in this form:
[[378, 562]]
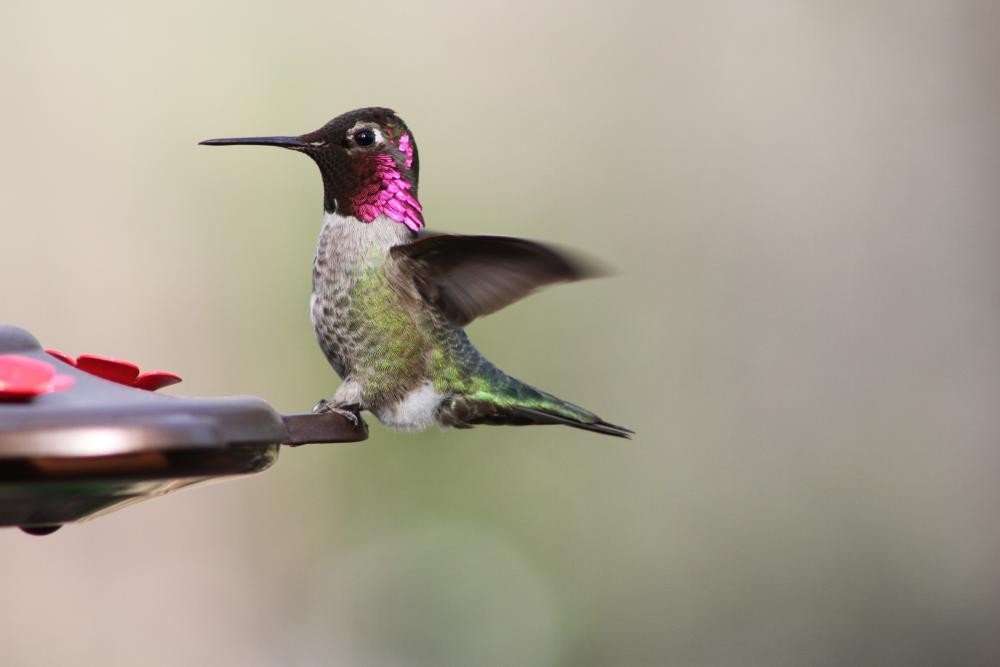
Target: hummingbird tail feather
[[537, 409], [597, 426]]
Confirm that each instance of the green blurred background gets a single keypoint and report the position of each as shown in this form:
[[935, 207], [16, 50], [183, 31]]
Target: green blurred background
[[801, 200]]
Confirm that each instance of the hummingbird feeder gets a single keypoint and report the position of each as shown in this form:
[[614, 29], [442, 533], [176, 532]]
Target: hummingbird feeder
[[81, 437]]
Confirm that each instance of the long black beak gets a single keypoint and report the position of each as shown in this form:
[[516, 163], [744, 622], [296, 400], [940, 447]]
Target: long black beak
[[284, 142]]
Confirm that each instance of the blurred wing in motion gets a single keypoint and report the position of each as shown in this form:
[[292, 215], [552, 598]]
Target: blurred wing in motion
[[465, 277]]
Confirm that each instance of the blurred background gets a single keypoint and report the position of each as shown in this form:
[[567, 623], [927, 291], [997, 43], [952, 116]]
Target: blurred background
[[800, 198]]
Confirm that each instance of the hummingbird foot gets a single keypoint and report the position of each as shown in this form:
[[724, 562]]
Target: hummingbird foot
[[350, 412]]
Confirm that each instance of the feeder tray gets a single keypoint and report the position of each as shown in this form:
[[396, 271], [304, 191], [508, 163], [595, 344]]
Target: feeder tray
[[99, 445]]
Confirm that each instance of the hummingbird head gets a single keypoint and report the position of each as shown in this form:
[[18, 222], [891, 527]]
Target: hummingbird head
[[368, 161]]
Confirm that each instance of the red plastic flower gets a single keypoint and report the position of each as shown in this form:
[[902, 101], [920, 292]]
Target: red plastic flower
[[22, 378], [116, 370]]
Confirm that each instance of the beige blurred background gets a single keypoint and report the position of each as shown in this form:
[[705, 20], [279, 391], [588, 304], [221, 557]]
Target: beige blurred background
[[801, 199]]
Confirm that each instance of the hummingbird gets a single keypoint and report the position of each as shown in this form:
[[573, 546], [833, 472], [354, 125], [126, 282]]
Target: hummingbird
[[390, 300]]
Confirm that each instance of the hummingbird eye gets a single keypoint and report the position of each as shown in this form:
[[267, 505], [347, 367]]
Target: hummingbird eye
[[364, 137]]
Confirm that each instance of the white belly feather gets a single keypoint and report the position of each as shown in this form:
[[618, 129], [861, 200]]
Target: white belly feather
[[415, 412]]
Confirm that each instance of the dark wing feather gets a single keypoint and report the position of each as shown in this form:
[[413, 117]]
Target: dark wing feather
[[466, 277]]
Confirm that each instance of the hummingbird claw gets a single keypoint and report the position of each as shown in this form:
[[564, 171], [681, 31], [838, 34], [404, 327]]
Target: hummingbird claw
[[351, 413]]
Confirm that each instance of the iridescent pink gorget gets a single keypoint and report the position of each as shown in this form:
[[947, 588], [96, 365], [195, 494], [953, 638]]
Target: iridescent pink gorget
[[386, 192]]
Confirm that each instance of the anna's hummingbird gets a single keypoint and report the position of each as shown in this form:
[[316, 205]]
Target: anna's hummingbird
[[390, 301]]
